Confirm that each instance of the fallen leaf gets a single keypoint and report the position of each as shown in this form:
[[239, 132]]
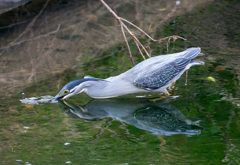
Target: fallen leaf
[[149, 28], [92, 17], [220, 68], [162, 9], [28, 105], [209, 79], [56, 71]]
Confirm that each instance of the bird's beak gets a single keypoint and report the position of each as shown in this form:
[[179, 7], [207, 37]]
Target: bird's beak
[[63, 96], [60, 96], [57, 98]]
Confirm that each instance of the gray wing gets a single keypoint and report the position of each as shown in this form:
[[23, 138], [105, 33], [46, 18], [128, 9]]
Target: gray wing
[[161, 75], [153, 63]]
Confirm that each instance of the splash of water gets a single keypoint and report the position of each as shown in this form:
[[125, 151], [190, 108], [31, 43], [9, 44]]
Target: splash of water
[[39, 99]]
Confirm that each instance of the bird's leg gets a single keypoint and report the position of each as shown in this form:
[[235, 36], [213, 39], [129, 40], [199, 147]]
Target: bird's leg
[[172, 85], [186, 77], [166, 92]]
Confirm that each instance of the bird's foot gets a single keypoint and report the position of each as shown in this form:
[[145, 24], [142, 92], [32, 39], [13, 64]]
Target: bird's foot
[[164, 96], [158, 98], [166, 92]]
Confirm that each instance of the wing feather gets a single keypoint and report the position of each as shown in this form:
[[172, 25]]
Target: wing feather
[[161, 76]]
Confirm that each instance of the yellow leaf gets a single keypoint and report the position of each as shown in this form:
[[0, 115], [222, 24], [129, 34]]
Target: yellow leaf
[[56, 71], [28, 105], [162, 9], [210, 78], [149, 28]]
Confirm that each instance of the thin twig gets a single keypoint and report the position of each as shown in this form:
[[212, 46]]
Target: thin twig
[[137, 42], [168, 42], [136, 39], [140, 50], [29, 27], [12, 25], [129, 50], [124, 27], [37, 37], [174, 38], [139, 29], [111, 11], [186, 77], [31, 24]]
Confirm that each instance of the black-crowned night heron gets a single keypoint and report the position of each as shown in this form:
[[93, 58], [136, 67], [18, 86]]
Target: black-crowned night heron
[[155, 74]]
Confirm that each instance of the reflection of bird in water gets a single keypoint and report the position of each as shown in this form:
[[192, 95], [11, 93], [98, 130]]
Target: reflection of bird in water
[[155, 74], [159, 118]]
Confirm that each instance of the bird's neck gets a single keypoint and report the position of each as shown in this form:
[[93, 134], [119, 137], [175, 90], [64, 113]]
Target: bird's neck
[[111, 87]]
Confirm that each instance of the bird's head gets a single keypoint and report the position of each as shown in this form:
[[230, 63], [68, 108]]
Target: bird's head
[[73, 88]]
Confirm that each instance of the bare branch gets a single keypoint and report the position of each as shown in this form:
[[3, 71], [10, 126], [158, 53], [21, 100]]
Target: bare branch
[[140, 50], [174, 38], [136, 39], [37, 37], [186, 77], [137, 42], [139, 29], [28, 28], [125, 38], [31, 24], [12, 25], [111, 11]]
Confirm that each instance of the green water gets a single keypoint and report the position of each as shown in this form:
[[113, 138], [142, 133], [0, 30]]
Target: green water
[[200, 126]]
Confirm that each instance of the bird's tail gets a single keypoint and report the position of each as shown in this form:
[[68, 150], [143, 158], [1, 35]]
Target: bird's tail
[[196, 62], [191, 53]]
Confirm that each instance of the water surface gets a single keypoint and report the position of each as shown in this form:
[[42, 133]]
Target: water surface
[[199, 126]]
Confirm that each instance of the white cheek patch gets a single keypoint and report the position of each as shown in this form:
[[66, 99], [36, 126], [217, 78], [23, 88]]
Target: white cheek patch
[[83, 90], [75, 88], [78, 89]]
